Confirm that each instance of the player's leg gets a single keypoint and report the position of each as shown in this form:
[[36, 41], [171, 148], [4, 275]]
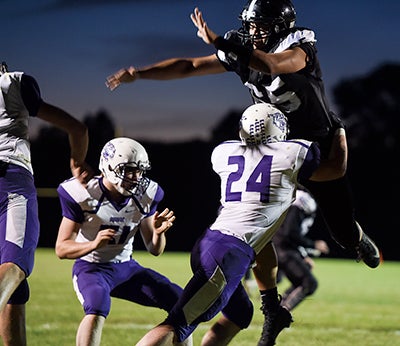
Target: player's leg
[[10, 278], [236, 315], [93, 291], [220, 333], [149, 288], [276, 318], [299, 273], [19, 234], [89, 331], [12, 325], [335, 198], [161, 335]]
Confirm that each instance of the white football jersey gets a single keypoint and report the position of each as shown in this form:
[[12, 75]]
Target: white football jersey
[[258, 184], [90, 207], [14, 144]]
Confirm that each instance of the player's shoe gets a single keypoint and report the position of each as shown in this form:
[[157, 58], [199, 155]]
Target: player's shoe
[[367, 250], [273, 325]]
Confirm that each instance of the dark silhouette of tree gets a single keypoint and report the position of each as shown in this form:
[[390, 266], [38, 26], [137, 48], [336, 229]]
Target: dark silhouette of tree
[[50, 157], [101, 129], [370, 106]]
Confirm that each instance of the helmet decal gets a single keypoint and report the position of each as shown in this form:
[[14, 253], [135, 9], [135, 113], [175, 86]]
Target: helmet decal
[[108, 151], [262, 123]]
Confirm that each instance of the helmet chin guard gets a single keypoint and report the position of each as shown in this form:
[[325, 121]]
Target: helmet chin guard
[[120, 155]]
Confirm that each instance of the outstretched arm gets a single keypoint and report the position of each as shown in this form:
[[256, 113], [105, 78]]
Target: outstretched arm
[[174, 68]]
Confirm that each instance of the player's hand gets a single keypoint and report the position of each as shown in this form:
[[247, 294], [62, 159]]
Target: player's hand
[[103, 237], [83, 172], [309, 261], [322, 246], [122, 76], [203, 31], [163, 221]]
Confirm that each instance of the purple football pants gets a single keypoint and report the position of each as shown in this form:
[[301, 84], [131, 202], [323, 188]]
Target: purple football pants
[[96, 283], [19, 223], [219, 263]]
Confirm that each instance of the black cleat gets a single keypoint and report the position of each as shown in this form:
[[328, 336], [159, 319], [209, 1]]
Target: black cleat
[[273, 325], [367, 250]]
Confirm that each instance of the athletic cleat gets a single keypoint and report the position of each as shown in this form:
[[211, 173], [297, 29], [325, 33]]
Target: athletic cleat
[[367, 250], [273, 325]]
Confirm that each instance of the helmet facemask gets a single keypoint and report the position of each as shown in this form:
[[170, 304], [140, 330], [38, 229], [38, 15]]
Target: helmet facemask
[[129, 178]]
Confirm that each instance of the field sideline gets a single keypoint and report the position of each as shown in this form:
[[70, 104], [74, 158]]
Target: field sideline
[[354, 305]]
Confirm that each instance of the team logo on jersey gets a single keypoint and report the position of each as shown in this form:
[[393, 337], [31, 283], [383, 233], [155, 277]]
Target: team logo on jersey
[[116, 219]]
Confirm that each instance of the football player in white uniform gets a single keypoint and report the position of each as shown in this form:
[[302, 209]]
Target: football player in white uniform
[[259, 176], [100, 221], [20, 99]]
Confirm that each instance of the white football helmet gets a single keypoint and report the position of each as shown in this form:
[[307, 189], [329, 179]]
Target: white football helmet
[[116, 156], [262, 123]]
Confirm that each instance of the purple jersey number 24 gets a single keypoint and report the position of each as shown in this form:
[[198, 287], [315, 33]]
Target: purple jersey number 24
[[259, 180]]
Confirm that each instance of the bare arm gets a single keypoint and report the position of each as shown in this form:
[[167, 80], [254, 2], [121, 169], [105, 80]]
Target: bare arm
[[67, 247], [77, 135], [335, 166], [153, 230], [174, 68]]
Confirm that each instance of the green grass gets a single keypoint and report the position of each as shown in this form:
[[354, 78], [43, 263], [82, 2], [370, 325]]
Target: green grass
[[354, 305]]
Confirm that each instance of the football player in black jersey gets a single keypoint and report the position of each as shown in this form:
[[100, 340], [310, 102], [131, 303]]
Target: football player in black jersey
[[278, 62]]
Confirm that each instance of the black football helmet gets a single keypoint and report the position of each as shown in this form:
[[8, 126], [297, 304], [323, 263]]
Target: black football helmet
[[271, 16]]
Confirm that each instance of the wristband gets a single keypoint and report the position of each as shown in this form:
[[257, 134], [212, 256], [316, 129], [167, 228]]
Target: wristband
[[235, 51]]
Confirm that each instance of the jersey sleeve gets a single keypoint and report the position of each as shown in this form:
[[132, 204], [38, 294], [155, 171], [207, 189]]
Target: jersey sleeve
[[157, 199], [30, 93], [69, 207], [310, 164]]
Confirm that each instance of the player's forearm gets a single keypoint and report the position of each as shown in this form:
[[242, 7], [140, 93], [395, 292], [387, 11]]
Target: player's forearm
[[72, 250], [168, 69], [79, 142], [157, 244]]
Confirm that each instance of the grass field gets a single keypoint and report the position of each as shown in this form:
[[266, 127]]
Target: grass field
[[354, 305]]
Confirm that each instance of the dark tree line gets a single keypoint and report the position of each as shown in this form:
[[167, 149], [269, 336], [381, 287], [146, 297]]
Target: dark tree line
[[369, 105]]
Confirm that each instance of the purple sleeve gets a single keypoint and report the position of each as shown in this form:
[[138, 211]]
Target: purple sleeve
[[311, 162], [70, 208], [30, 93], [157, 199]]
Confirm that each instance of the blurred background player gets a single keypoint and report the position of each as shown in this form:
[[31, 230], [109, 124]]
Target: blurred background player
[[100, 221], [19, 221], [295, 249], [258, 180]]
